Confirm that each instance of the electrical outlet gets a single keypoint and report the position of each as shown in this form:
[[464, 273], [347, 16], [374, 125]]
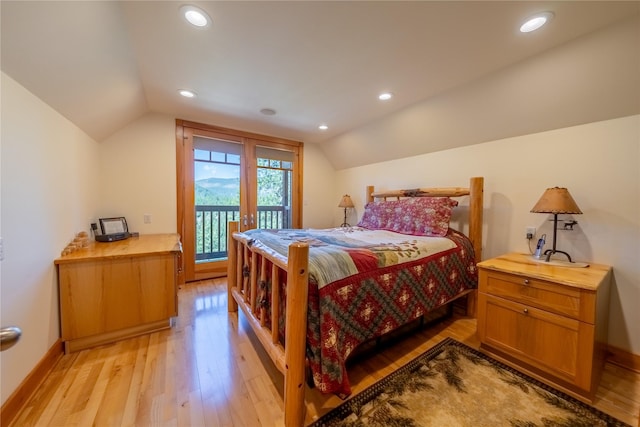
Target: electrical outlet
[[530, 232], [147, 218]]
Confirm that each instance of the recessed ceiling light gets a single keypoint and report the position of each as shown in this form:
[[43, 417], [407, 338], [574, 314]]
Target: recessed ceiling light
[[268, 111], [385, 96], [536, 21], [187, 93], [323, 127], [195, 15]]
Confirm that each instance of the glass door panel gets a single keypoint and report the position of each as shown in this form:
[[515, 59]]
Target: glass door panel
[[274, 188], [216, 195], [210, 195]]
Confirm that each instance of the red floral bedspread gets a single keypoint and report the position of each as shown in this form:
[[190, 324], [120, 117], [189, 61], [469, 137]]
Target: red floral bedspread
[[393, 284]]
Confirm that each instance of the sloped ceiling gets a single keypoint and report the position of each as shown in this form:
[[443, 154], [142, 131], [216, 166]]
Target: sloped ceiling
[[102, 64]]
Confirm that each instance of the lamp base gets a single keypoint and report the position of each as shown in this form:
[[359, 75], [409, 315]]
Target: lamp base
[[550, 252], [558, 263], [344, 222]]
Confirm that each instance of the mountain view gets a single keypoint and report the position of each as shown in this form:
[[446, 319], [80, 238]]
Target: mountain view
[[217, 191]]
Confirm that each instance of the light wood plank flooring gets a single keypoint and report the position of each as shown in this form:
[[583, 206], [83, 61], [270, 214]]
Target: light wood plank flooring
[[206, 372]]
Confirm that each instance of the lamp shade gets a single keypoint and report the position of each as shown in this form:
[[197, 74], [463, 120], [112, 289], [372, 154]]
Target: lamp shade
[[556, 200], [345, 202]]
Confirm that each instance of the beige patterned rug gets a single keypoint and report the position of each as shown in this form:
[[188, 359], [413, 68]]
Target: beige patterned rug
[[454, 385]]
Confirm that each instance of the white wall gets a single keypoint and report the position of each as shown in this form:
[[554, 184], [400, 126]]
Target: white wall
[[320, 205], [49, 178], [598, 162], [138, 174]]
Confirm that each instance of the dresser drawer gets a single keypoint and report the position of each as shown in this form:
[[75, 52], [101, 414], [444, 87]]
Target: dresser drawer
[[563, 300]]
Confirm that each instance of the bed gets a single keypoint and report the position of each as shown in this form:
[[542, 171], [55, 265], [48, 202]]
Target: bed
[[312, 296]]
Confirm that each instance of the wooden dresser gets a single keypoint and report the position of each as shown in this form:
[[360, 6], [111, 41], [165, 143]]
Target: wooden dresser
[[116, 290], [547, 321]]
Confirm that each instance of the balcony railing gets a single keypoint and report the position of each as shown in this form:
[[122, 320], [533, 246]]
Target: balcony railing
[[211, 227]]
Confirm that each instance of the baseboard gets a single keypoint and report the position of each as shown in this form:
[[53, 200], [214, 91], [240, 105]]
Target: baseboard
[[18, 398], [623, 358]]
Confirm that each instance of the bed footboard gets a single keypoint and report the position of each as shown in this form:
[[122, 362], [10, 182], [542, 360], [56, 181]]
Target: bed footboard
[[245, 286]]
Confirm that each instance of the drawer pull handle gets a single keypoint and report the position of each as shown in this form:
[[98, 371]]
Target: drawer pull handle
[[526, 281], [525, 311]]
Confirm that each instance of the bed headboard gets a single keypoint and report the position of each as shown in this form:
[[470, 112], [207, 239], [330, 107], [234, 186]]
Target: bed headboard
[[475, 192]]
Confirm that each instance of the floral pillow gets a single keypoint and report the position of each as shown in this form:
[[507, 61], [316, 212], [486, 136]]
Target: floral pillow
[[378, 215], [418, 216]]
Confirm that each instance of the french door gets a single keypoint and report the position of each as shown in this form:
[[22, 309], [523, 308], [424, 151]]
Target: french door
[[227, 175]]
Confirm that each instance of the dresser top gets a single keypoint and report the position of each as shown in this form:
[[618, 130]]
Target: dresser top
[[524, 265], [145, 244]]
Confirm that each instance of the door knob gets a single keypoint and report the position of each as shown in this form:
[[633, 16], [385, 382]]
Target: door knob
[[9, 336]]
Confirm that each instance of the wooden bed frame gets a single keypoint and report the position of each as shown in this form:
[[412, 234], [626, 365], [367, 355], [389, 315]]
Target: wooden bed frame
[[243, 291]]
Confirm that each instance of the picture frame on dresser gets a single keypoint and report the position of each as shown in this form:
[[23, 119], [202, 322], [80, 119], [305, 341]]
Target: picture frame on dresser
[[113, 225]]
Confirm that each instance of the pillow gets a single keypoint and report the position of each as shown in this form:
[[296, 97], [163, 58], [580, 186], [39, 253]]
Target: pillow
[[418, 216], [378, 215]]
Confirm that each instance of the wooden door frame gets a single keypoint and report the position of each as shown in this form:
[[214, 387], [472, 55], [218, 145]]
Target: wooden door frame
[[183, 194]]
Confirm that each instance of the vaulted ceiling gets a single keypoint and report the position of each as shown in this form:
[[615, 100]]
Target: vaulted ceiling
[[102, 64]]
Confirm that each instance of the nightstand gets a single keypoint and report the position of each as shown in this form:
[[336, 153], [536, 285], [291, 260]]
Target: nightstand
[[549, 322]]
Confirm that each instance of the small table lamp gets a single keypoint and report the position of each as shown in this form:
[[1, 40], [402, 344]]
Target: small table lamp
[[556, 201], [345, 203]]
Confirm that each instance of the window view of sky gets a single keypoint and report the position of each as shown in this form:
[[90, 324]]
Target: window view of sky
[[204, 170]]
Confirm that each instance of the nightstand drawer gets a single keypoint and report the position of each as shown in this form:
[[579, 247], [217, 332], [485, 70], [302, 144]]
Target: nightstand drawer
[[534, 292], [556, 344]]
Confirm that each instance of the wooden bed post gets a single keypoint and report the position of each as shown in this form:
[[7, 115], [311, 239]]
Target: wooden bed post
[[232, 271], [275, 302], [476, 207], [296, 334], [369, 197]]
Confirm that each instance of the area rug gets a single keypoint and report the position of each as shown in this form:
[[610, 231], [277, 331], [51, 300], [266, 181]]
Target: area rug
[[454, 385]]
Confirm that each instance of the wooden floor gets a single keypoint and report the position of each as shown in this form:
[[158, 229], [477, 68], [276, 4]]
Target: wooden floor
[[206, 372]]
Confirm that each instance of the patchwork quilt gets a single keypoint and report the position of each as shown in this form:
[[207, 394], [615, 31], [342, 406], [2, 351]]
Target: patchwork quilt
[[364, 283]]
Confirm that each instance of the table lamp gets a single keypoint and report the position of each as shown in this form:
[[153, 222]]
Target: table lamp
[[345, 203], [556, 201]]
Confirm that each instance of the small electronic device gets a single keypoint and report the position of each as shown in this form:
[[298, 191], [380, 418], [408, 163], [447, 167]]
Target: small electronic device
[[111, 229], [540, 246]]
